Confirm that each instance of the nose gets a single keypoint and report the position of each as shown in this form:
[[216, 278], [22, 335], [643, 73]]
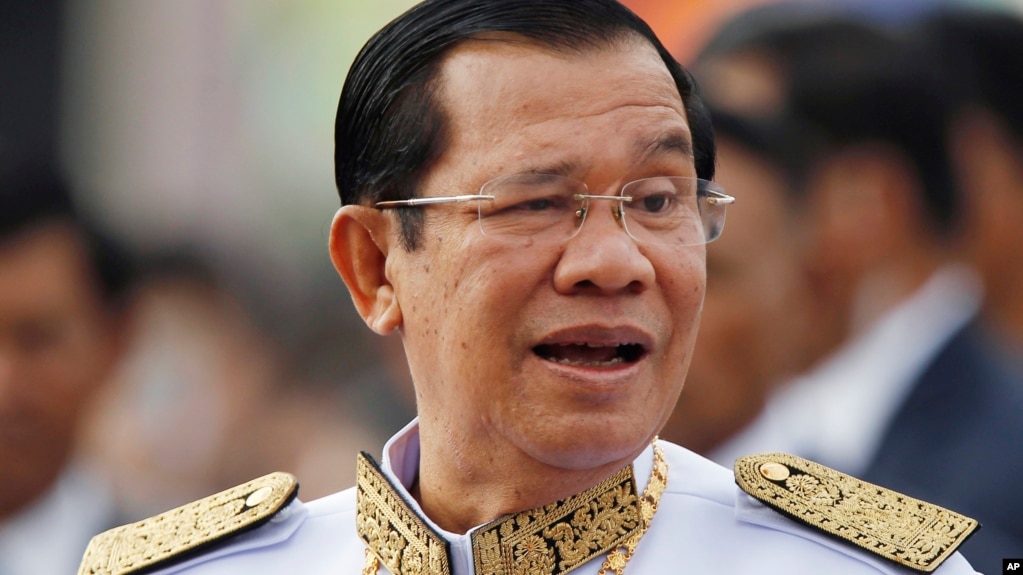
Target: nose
[[602, 257]]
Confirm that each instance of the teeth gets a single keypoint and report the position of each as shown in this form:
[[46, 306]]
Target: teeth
[[624, 353], [608, 363]]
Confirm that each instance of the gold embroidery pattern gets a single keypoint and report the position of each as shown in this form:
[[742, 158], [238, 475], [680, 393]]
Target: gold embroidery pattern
[[147, 543], [548, 540], [396, 536], [617, 559], [559, 537], [910, 532]]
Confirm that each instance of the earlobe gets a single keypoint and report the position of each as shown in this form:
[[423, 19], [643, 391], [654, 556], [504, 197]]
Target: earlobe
[[359, 247]]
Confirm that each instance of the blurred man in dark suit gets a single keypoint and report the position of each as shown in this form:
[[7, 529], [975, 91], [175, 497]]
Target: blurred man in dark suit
[[914, 396]]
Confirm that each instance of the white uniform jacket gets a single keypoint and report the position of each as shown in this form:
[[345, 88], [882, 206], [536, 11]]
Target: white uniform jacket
[[704, 525]]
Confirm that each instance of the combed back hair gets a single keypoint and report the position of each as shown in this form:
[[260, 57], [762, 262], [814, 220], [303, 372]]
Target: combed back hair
[[390, 127]]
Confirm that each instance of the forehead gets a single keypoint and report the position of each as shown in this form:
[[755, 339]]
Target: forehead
[[43, 270], [506, 93]]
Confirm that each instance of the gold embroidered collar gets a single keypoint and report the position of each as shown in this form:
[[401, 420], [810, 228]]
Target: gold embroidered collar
[[548, 540]]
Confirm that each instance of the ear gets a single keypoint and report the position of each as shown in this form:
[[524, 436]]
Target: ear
[[359, 245]]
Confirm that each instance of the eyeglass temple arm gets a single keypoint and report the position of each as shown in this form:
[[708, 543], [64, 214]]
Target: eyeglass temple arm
[[713, 197], [717, 198], [432, 200]]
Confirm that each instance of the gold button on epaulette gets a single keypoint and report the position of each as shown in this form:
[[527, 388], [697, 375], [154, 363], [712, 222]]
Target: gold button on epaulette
[[143, 546], [907, 531]]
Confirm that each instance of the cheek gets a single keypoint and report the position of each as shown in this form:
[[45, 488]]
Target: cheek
[[686, 285], [684, 292], [457, 297]]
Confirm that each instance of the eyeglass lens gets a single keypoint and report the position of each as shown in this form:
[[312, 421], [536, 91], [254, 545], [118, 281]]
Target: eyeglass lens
[[672, 210]]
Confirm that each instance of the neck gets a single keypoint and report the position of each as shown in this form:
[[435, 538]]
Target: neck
[[607, 520], [460, 489]]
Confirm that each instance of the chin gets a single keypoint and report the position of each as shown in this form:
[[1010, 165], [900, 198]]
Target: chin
[[589, 444]]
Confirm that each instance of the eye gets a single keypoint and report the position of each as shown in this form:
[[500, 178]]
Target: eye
[[536, 205], [656, 196], [655, 203], [534, 194]]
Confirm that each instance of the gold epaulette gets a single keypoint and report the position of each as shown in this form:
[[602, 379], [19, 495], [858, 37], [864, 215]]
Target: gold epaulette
[[143, 546], [907, 531]]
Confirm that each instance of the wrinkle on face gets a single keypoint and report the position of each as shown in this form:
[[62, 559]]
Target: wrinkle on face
[[471, 89], [476, 307]]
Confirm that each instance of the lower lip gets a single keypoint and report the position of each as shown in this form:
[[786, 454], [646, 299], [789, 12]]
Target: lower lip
[[606, 379]]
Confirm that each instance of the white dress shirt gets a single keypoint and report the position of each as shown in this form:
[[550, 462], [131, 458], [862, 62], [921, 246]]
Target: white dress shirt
[[49, 537], [837, 413]]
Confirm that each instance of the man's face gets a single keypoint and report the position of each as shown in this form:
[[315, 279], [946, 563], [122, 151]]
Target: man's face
[[56, 343], [522, 346], [752, 331]]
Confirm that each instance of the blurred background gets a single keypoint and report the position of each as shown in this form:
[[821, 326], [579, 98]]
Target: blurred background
[[198, 134]]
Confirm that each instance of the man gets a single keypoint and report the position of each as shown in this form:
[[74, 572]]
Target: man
[[986, 139], [912, 397], [526, 202], [758, 302], [61, 329]]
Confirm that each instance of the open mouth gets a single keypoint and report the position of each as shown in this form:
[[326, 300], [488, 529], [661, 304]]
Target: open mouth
[[590, 354]]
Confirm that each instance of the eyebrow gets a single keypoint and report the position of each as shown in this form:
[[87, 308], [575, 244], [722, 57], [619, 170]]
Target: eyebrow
[[562, 168], [675, 142], [672, 142]]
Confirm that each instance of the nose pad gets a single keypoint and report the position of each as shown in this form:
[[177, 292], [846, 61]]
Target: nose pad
[[617, 211], [580, 215], [602, 261]]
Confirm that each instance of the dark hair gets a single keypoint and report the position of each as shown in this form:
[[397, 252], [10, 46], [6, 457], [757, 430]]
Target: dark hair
[[780, 27], [390, 128], [33, 196], [850, 80], [758, 134], [981, 51], [869, 84]]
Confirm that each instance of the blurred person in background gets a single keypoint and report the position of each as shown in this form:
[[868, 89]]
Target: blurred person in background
[[205, 398], [913, 397], [754, 333], [62, 329], [979, 49], [742, 73]]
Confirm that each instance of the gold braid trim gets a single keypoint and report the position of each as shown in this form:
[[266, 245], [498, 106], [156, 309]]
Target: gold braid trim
[[907, 531], [395, 535], [172, 536], [617, 559], [559, 537], [552, 539]]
